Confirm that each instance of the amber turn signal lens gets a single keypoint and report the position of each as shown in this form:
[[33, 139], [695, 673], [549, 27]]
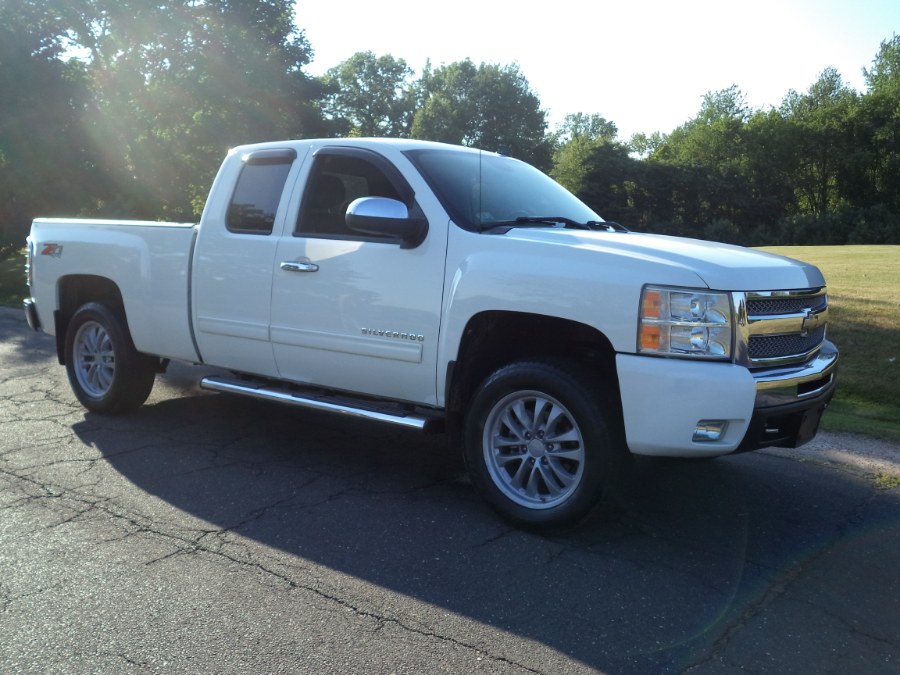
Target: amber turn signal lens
[[650, 337], [651, 304]]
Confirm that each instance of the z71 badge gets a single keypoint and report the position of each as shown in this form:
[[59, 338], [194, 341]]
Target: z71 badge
[[53, 250]]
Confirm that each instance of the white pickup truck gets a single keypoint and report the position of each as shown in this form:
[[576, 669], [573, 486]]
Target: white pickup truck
[[445, 288]]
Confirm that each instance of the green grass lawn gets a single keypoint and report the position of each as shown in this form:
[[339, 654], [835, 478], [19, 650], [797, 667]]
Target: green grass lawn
[[864, 290], [864, 321]]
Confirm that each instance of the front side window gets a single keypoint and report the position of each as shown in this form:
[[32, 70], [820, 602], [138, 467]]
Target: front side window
[[335, 181], [256, 197]]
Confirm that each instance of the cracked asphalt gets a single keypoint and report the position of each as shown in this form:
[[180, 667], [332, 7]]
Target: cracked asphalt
[[208, 533]]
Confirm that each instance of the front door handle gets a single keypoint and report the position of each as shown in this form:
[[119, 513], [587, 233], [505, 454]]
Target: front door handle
[[299, 266]]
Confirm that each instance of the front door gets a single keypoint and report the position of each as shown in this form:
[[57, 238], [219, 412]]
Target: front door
[[352, 311]]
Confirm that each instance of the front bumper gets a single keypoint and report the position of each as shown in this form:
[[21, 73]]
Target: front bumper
[[790, 402], [665, 400]]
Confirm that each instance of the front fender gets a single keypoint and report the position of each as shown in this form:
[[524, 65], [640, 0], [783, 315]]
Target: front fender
[[598, 288]]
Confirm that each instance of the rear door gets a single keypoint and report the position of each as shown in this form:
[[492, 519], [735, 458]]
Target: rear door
[[234, 260]]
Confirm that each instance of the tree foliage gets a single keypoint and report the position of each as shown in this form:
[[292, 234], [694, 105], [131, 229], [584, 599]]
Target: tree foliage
[[125, 108], [159, 91], [573, 141], [45, 164], [179, 82], [488, 106], [370, 95], [823, 167]]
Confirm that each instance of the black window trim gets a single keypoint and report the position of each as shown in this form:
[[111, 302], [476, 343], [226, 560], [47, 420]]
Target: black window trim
[[270, 156]]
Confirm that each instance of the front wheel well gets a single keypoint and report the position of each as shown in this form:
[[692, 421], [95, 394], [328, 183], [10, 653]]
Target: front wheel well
[[77, 290], [494, 339]]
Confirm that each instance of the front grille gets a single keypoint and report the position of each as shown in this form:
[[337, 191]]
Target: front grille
[[787, 305], [782, 327], [779, 346]]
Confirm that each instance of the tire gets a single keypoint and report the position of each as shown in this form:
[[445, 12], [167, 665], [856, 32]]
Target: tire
[[107, 374], [540, 444]]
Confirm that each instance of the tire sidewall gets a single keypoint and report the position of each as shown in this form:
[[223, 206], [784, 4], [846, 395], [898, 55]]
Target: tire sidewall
[[560, 382], [132, 377]]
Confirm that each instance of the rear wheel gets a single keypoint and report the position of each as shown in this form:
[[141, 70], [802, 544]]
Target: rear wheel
[[106, 372], [539, 445]]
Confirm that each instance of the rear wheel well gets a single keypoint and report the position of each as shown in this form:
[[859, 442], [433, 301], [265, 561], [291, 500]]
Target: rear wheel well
[[494, 339], [77, 290]]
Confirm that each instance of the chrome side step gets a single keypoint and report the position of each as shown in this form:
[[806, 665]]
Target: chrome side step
[[316, 400]]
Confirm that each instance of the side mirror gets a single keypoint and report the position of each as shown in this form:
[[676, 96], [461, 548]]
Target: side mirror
[[383, 217]]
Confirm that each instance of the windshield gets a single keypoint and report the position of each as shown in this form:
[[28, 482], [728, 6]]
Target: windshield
[[481, 190]]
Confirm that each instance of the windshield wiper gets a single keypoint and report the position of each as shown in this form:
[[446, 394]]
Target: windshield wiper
[[556, 221], [568, 222], [610, 225]]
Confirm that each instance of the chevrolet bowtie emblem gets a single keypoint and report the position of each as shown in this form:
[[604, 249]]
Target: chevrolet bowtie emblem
[[810, 322]]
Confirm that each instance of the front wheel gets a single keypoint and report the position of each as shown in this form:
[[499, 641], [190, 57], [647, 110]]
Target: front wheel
[[539, 443], [106, 372]]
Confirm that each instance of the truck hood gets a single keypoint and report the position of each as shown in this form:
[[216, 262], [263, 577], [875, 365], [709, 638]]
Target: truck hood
[[720, 266]]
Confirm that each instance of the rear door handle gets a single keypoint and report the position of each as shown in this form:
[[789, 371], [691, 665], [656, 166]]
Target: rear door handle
[[299, 266]]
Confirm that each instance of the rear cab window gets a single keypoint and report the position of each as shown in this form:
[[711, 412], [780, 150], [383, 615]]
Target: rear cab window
[[258, 191]]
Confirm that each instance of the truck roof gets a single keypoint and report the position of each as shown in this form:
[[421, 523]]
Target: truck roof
[[399, 144]]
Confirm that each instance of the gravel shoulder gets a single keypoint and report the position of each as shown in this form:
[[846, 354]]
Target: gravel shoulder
[[857, 454]]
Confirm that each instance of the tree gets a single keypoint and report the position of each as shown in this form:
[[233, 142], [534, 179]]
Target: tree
[[46, 166], [879, 113], [710, 148], [713, 137], [823, 141], [609, 180], [770, 165], [178, 82], [575, 138], [593, 127], [644, 146], [487, 106], [885, 72], [370, 95]]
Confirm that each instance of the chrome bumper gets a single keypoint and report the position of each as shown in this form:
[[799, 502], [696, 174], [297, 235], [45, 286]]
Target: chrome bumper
[[790, 402], [794, 384]]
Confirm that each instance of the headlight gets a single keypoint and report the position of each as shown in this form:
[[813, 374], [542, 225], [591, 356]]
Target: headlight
[[685, 322]]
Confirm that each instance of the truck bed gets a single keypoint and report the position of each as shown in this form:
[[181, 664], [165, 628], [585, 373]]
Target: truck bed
[[148, 261]]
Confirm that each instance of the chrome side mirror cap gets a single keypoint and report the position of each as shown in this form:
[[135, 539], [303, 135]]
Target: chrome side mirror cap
[[384, 217]]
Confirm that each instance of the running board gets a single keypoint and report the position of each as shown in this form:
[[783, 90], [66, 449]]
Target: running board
[[316, 400]]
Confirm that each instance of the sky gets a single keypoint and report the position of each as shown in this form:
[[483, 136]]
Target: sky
[[643, 64]]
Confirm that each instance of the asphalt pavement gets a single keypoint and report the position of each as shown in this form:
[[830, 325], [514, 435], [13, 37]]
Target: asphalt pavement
[[213, 534]]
